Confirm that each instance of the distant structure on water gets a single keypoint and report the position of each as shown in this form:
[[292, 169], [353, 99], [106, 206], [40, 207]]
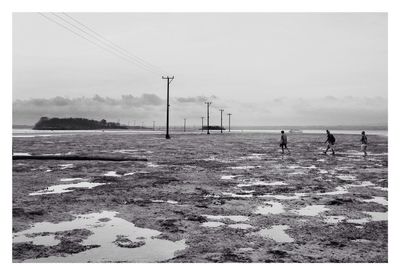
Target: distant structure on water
[[213, 128]]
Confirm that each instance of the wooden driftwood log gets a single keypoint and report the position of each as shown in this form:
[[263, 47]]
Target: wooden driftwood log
[[75, 157]]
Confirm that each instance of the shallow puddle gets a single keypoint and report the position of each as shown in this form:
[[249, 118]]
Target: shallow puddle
[[216, 159], [359, 221], [212, 224], [46, 240], [112, 174], [70, 179], [276, 233], [235, 218], [153, 165], [374, 216], [66, 166], [129, 174], [228, 177], [361, 241], [242, 167], [243, 226], [297, 173], [233, 195], [127, 151], [296, 196], [310, 167], [65, 188], [378, 200], [346, 177], [378, 216], [334, 219], [381, 188], [340, 190], [106, 229], [167, 201], [270, 208], [261, 183], [245, 249], [251, 157], [311, 210], [363, 184], [21, 154]]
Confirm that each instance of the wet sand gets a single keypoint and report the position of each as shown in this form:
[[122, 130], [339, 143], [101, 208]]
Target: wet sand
[[200, 198]]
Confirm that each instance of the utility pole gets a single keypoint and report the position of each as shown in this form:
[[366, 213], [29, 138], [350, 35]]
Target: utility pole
[[221, 110], [154, 125], [229, 121], [208, 117], [184, 124], [169, 80], [202, 123]]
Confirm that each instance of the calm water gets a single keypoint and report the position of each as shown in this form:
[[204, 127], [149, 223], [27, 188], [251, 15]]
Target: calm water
[[26, 133]]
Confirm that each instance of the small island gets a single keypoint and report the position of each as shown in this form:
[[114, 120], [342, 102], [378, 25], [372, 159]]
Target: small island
[[55, 123]]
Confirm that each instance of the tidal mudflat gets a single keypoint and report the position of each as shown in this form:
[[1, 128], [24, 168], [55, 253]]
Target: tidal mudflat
[[228, 197]]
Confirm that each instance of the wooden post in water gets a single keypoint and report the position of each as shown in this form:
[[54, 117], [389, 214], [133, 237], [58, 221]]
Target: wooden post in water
[[208, 117], [221, 110], [229, 114]]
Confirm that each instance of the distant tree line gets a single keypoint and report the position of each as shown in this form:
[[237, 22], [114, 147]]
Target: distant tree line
[[55, 123]]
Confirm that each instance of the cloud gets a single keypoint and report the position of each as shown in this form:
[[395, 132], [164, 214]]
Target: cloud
[[195, 99], [327, 110]]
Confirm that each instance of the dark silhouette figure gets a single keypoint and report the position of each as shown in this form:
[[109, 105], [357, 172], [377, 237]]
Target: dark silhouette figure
[[331, 142], [283, 142], [364, 143]]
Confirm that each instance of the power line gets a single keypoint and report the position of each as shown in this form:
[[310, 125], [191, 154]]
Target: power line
[[83, 37], [109, 44], [115, 45], [95, 43], [105, 45]]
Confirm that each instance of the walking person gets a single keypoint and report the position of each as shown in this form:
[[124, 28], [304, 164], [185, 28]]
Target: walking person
[[331, 142], [364, 143], [283, 142]]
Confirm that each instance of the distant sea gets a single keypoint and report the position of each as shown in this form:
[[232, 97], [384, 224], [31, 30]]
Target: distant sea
[[178, 130]]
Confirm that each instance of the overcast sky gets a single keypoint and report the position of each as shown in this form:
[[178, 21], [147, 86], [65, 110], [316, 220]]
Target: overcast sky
[[264, 68]]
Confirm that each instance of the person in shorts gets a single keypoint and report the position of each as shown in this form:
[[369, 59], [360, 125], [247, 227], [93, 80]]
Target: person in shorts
[[331, 142], [364, 143]]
